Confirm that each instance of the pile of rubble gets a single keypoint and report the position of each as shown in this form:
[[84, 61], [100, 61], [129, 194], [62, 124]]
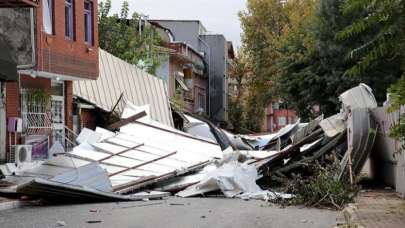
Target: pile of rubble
[[138, 158]]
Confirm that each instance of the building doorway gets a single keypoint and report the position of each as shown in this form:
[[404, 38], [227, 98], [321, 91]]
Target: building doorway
[[58, 111]]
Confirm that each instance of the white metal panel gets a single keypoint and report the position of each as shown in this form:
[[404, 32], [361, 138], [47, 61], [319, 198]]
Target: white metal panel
[[125, 164], [116, 77]]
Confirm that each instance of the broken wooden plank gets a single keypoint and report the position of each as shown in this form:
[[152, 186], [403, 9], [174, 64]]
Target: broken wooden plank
[[126, 121], [121, 152], [143, 182], [143, 164]]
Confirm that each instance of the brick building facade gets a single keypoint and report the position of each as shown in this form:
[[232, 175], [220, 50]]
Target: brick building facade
[[277, 116], [65, 49]]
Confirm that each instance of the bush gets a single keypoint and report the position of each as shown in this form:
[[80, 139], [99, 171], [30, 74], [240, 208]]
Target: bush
[[321, 189]]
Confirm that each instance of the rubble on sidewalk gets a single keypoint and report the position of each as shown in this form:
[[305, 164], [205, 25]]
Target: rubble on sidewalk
[[143, 154]]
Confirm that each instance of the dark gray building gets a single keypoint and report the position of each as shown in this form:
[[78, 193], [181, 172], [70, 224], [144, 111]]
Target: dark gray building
[[215, 49]]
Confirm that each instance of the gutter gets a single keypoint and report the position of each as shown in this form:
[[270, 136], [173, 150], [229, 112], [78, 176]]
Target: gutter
[[33, 61]]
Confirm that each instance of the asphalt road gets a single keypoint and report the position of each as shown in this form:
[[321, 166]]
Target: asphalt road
[[172, 212]]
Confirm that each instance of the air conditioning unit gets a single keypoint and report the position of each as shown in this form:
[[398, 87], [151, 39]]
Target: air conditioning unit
[[22, 154]]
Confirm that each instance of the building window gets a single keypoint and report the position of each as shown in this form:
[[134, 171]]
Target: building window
[[88, 22], [275, 105], [48, 17], [201, 102], [69, 19], [282, 121]]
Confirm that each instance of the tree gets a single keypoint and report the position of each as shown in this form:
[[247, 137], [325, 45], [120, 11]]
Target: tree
[[397, 93], [262, 23], [120, 36], [238, 75], [316, 75], [385, 22]]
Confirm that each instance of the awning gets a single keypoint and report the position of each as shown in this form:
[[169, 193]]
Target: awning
[[18, 3], [8, 67], [179, 78]]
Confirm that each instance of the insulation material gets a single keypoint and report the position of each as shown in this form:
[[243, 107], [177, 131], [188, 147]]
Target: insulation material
[[234, 180]]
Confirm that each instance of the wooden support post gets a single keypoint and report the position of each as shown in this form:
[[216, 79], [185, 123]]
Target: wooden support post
[[121, 152]]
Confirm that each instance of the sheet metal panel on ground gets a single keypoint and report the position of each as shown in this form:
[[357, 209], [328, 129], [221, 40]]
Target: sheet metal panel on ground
[[117, 77], [141, 152]]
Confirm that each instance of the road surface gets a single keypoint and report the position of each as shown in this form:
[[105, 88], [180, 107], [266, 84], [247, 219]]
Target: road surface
[[171, 212]]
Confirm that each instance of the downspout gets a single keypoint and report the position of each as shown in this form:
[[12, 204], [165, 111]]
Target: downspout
[[209, 75], [33, 57]]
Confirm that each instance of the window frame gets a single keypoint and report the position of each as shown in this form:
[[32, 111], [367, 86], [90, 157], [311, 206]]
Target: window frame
[[51, 5], [201, 101], [282, 121], [70, 24], [89, 26]]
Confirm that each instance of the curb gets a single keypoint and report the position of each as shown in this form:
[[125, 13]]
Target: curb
[[12, 204]]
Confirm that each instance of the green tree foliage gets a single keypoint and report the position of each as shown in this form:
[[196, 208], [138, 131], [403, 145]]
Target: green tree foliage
[[262, 23], [397, 93], [313, 62], [384, 21], [238, 76], [119, 35]]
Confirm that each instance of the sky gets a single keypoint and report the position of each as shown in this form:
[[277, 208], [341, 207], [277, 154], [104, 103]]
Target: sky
[[218, 16]]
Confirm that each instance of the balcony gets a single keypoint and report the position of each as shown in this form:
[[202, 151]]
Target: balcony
[[18, 3]]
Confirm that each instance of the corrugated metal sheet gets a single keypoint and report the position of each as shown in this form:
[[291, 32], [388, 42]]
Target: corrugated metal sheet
[[119, 77], [362, 131], [142, 152], [358, 97]]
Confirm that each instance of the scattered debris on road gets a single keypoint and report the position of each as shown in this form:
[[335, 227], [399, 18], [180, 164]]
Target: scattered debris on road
[[143, 154]]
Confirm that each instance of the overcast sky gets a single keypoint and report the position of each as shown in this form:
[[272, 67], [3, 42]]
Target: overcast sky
[[218, 16]]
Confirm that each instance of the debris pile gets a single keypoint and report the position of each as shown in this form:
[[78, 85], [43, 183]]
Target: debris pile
[[139, 158]]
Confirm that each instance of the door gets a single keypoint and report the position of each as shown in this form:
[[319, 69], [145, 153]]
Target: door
[[58, 111], [2, 123]]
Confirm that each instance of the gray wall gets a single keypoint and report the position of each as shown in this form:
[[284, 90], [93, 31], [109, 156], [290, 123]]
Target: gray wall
[[387, 164], [215, 55], [163, 70], [15, 29], [218, 73], [186, 31]]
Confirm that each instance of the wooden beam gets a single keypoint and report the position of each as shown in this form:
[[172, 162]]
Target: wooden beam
[[121, 152], [126, 121], [143, 164]]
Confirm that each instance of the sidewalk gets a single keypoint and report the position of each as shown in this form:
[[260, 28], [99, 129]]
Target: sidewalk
[[375, 208]]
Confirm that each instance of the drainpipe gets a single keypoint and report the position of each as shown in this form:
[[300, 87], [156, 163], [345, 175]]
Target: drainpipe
[[33, 57], [209, 74]]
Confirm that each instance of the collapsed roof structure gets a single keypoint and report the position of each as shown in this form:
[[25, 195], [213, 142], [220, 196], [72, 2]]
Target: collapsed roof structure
[[145, 154], [120, 81]]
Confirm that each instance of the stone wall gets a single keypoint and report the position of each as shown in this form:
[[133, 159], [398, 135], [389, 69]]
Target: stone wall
[[15, 30]]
